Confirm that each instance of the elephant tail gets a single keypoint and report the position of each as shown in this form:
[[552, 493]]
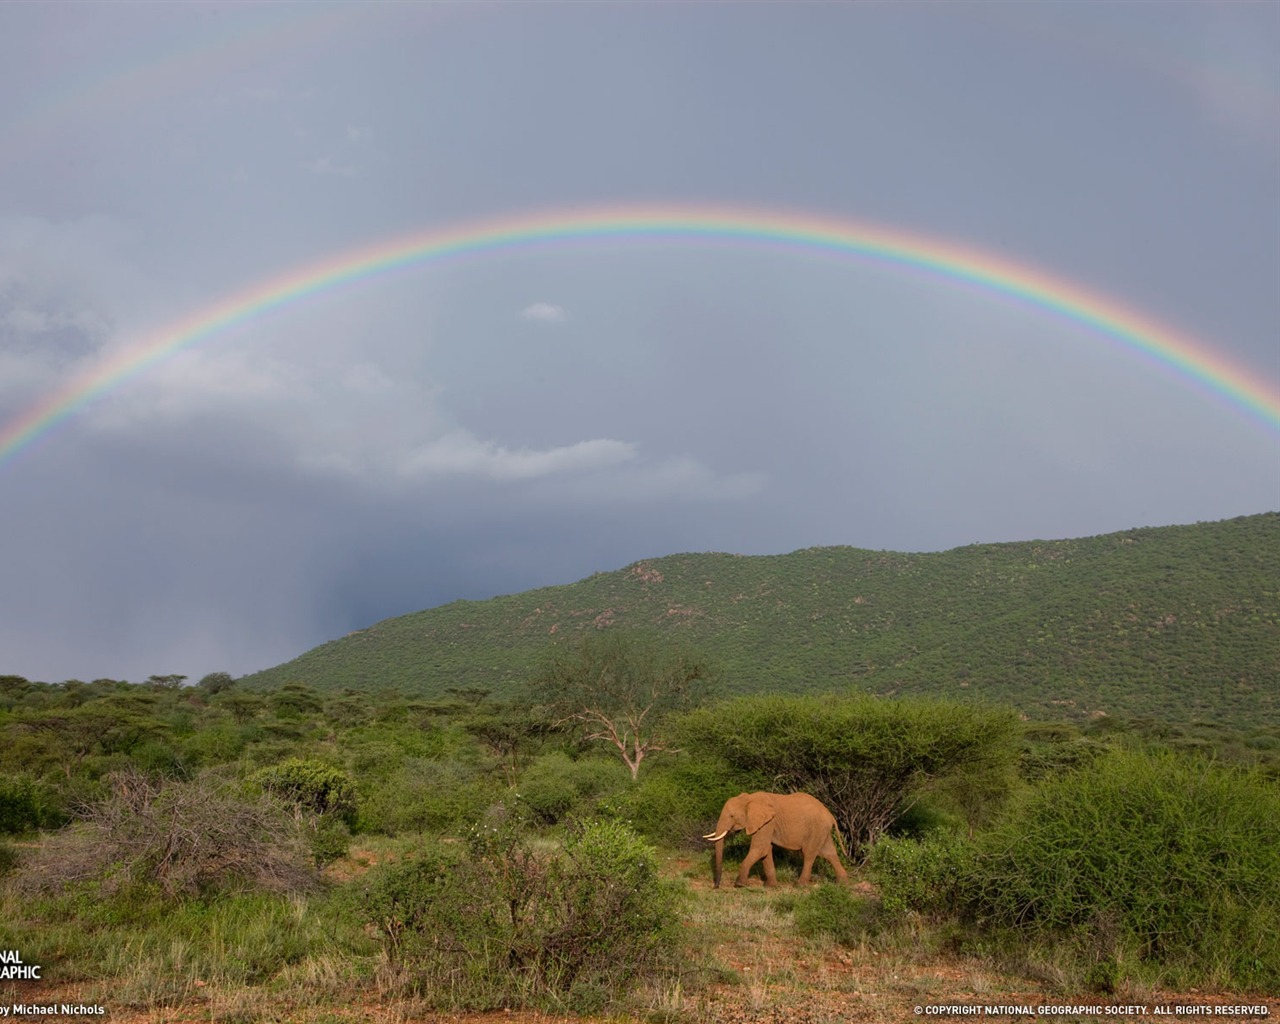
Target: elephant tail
[[840, 839]]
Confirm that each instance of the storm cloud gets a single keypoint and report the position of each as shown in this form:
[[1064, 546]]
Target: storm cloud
[[492, 422]]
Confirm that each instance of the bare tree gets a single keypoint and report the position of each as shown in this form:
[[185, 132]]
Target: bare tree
[[617, 689], [186, 837]]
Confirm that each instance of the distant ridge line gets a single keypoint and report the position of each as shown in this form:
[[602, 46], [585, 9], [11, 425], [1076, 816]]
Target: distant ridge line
[[1177, 622]]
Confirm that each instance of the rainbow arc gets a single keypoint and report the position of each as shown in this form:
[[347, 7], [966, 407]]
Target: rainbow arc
[[1198, 362]]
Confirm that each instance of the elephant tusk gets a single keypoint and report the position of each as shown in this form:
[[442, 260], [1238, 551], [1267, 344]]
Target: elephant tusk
[[715, 837]]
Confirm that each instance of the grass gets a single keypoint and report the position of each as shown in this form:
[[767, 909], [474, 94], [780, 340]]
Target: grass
[[301, 958], [145, 954]]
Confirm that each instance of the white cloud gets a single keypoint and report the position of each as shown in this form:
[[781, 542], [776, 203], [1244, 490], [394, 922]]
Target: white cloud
[[367, 379], [234, 384], [327, 165], [681, 478], [544, 312], [459, 453], [364, 427], [353, 422]]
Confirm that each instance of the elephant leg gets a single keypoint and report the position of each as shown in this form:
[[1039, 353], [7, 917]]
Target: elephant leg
[[748, 862], [808, 866], [829, 854], [758, 851], [770, 876]]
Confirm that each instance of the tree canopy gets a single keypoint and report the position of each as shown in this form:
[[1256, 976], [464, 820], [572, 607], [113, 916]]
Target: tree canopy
[[866, 758], [618, 689]]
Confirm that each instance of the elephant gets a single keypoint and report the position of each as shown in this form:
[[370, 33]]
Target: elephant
[[794, 821]]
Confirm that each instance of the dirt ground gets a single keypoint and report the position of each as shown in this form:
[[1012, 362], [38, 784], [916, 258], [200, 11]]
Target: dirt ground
[[775, 989], [840, 988], [765, 975]]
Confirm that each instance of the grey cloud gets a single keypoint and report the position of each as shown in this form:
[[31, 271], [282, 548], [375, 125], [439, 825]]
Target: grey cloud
[[527, 414]]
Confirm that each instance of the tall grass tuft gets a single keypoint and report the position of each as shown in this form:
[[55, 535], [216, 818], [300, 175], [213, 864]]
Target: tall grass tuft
[[156, 951]]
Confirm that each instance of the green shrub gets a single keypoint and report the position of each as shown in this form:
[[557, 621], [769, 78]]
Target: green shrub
[[379, 749], [678, 800], [157, 757], [833, 910], [927, 875], [1171, 862], [618, 919], [329, 839], [426, 796], [921, 819], [374, 760], [310, 786], [555, 784], [216, 744], [23, 807], [502, 924], [403, 899]]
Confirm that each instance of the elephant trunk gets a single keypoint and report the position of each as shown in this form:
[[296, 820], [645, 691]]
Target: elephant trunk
[[717, 837], [727, 823]]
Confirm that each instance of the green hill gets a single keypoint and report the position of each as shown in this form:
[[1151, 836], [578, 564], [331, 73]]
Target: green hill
[[1179, 623]]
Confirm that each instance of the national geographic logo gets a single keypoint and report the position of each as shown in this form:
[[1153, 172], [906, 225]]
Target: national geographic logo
[[13, 969]]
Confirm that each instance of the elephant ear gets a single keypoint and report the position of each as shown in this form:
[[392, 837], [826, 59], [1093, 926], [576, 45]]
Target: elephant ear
[[759, 814]]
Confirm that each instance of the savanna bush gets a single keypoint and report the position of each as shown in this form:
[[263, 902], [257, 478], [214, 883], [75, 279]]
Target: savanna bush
[[216, 744], [323, 798], [157, 757], [1172, 862], [928, 875], [555, 784], [310, 786], [834, 911], [503, 923], [24, 805], [676, 801], [185, 838], [426, 796]]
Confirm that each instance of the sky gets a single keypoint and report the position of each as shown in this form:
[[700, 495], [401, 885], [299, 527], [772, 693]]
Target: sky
[[511, 416]]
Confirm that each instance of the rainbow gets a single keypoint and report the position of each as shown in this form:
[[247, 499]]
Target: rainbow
[[1125, 327]]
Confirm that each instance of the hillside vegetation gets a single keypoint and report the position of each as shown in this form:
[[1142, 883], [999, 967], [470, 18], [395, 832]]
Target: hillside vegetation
[[1176, 623], [206, 852]]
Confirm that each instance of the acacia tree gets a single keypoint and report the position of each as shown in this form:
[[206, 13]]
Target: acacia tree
[[618, 689], [869, 760], [509, 730], [216, 682]]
